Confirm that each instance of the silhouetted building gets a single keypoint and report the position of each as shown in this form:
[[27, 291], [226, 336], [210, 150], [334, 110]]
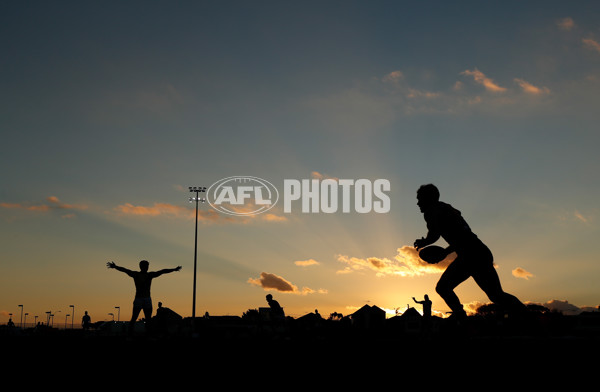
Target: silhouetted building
[[368, 317], [411, 320]]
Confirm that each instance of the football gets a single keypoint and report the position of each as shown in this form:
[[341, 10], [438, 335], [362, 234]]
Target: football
[[432, 254]]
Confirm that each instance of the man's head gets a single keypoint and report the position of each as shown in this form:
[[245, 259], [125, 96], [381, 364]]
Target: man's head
[[427, 195], [269, 297], [144, 265]]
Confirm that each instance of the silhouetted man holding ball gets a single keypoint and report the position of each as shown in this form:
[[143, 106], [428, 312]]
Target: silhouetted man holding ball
[[474, 259], [142, 280]]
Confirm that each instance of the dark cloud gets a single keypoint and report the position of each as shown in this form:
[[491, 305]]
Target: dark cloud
[[274, 282]]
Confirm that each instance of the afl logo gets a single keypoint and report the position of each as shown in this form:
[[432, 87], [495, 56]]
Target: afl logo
[[242, 195]]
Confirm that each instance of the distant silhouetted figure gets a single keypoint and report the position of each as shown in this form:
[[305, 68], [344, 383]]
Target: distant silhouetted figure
[[166, 313], [165, 318], [426, 305], [86, 321], [160, 309], [474, 259], [10, 323], [142, 280], [276, 309]]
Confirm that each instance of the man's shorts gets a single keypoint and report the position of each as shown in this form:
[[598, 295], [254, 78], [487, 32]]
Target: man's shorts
[[144, 303]]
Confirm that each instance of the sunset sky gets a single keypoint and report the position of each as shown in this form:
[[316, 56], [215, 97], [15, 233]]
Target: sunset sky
[[110, 110]]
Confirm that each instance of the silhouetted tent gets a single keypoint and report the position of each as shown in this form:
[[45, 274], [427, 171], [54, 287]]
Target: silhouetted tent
[[368, 317]]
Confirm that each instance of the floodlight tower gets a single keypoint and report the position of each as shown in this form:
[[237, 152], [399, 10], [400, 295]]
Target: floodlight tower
[[21, 306], [197, 190], [72, 315]]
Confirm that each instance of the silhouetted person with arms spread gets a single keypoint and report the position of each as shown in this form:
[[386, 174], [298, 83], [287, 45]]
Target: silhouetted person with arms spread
[[474, 259], [142, 280], [426, 305]]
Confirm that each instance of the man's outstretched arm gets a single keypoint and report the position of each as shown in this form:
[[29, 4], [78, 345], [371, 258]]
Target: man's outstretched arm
[[167, 270], [112, 264]]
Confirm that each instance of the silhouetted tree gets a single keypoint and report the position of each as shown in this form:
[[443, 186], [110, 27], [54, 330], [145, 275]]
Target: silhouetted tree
[[250, 315], [335, 316]]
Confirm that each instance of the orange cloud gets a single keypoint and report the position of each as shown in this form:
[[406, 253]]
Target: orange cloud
[[393, 77], [204, 215], [566, 24], [273, 282], [53, 204], [471, 307], [270, 281], [249, 208], [169, 210], [530, 88], [273, 218], [25, 207], [591, 44], [486, 82], [414, 93], [306, 263], [155, 210], [583, 218], [320, 176], [521, 273], [406, 263]]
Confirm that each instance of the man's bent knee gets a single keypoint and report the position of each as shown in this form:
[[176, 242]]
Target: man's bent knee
[[442, 289]]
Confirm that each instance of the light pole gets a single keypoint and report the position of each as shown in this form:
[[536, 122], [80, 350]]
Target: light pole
[[66, 318], [72, 315], [25, 322], [21, 306], [197, 190], [118, 313]]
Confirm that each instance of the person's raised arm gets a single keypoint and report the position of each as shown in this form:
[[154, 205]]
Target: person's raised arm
[[167, 270], [112, 265]]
